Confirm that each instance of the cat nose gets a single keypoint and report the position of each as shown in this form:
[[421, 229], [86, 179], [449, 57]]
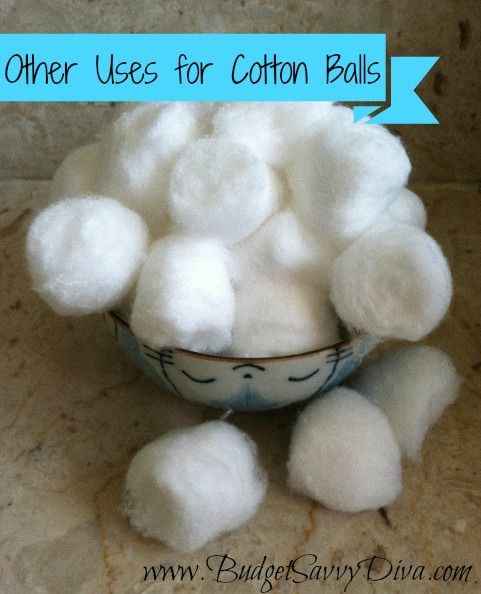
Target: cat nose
[[250, 368]]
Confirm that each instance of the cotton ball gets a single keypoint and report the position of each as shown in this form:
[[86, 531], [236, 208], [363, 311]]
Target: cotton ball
[[269, 129], [77, 175], [281, 316], [127, 106], [392, 282], [412, 387], [219, 188], [283, 244], [193, 484], [344, 177], [138, 152], [254, 125], [184, 296], [344, 454], [302, 116], [84, 253], [204, 113], [408, 208], [292, 247]]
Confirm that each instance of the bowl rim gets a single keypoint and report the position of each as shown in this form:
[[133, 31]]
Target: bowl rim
[[198, 355]]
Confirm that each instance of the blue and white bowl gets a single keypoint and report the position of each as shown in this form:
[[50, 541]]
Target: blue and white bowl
[[244, 384]]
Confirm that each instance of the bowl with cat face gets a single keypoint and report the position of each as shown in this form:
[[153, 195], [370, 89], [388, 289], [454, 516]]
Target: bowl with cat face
[[235, 383]]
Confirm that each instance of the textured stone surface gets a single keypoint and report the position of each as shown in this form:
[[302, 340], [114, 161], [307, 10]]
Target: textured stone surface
[[73, 411], [35, 137]]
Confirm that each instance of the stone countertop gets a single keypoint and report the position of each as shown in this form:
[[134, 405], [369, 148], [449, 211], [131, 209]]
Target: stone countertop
[[73, 411]]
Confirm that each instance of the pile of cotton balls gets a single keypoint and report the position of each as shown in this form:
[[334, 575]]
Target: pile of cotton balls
[[241, 228], [255, 229]]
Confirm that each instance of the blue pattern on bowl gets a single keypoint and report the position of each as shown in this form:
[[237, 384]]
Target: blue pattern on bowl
[[244, 384]]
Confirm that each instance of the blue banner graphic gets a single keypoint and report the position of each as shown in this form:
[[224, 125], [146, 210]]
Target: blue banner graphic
[[213, 67]]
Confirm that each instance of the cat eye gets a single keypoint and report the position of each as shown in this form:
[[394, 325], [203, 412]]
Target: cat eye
[[306, 377], [199, 381]]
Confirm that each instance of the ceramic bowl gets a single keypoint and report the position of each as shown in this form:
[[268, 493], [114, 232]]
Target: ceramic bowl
[[244, 384]]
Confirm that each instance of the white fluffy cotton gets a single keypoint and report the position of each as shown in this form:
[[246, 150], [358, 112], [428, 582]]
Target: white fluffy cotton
[[412, 387], [345, 176], [191, 485], [138, 151], [77, 174], [84, 253], [270, 130], [344, 454], [281, 316], [276, 198], [220, 189], [408, 208], [184, 296], [284, 245], [392, 282]]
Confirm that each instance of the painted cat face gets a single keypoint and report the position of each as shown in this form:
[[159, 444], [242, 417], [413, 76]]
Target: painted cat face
[[245, 384]]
